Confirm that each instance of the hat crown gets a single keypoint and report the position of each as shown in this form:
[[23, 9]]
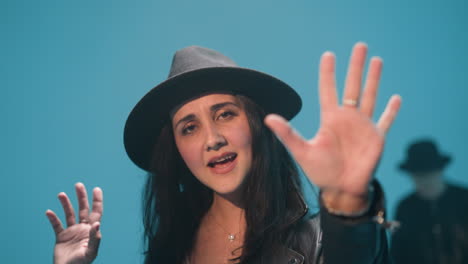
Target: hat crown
[[423, 151], [422, 156], [195, 57]]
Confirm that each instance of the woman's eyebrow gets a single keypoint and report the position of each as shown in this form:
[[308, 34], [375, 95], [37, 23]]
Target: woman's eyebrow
[[216, 107]]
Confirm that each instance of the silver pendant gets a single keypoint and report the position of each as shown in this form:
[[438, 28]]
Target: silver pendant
[[231, 237]]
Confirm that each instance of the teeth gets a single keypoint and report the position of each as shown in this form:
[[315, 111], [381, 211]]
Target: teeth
[[222, 159]]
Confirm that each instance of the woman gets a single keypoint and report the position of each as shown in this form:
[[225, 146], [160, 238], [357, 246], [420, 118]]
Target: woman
[[223, 189]]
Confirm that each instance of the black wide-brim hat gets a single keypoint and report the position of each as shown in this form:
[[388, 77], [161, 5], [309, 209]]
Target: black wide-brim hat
[[195, 72], [423, 156]]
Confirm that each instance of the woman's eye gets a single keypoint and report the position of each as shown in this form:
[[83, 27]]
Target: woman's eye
[[226, 115], [188, 129]]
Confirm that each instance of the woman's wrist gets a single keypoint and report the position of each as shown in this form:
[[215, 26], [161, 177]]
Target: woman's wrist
[[346, 204]]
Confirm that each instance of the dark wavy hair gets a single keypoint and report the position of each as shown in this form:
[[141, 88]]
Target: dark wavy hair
[[174, 201]]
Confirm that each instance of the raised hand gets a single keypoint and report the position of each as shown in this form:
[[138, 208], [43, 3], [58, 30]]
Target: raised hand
[[79, 242], [342, 156]]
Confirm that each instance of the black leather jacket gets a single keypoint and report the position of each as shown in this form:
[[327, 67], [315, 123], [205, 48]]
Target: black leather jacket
[[328, 239]]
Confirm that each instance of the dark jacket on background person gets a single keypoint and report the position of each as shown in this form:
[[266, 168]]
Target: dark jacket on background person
[[432, 231]]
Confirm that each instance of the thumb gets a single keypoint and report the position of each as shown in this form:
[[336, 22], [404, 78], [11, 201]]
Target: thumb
[[290, 138], [94, 240]]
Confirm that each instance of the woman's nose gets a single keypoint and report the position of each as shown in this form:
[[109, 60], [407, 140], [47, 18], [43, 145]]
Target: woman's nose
[[214, 140]]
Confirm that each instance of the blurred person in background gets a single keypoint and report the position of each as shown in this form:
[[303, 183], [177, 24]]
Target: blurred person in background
[[434, 218]]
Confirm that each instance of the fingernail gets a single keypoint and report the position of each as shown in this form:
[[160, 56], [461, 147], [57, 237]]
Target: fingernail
[[274, 116], [361, 43]]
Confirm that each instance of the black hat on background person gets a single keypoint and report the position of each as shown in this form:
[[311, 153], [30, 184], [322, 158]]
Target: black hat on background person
[[423, 156], [195, 72]]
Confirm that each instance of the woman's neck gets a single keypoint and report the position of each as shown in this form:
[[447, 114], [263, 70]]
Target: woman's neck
[[228, 214]]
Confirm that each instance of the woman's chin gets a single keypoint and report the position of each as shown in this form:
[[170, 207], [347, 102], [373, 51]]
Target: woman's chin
[[231, 192], [226, 190]]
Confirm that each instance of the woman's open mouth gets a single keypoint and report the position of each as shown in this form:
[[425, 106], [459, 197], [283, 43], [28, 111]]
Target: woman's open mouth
[[222, 160], [223, 163]]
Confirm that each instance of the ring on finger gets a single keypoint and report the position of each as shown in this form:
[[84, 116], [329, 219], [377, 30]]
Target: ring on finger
[[350, 102], [84, 221]]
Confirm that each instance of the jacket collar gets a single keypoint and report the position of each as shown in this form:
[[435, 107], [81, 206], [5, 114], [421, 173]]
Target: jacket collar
[[299, 210]]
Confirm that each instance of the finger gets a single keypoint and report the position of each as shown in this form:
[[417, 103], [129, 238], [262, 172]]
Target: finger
[[288, 136], [327, 83], [94, 240], [370, 89], [82, 196], [354, 76], [97, 210], [389, 114], [67, 208], [54, 221]]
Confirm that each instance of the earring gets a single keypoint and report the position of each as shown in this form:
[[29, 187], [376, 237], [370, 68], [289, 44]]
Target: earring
[[181, 187]]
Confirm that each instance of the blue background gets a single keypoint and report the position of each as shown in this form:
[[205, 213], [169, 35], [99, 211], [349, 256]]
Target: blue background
[[71, 71]]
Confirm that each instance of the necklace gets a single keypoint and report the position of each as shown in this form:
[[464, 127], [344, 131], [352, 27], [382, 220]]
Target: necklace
[[230, 236]]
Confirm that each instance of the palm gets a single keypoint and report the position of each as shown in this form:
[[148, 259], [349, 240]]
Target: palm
[[73, 242], [343, 154]]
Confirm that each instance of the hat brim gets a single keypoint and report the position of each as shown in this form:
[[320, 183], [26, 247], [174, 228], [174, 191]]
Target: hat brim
[[411, 167], [152, 112]]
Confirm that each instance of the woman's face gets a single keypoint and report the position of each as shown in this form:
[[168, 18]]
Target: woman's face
[[213, 137]]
